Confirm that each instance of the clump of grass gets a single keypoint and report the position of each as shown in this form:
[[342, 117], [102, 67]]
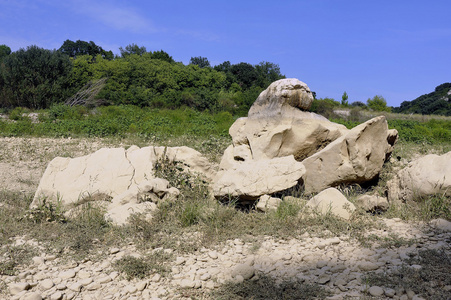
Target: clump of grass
[[265, 287], [141, 267], [46, 211], [428, 281], [422, 209], [14, 256]]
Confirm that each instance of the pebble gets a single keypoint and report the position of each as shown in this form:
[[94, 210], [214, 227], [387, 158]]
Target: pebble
[[376, 291], [337, 263]]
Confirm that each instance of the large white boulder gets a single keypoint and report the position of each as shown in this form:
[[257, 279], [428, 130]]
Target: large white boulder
[[426, 176], [331, 201], [251, 179], [278, 124], [355, 157], [110, 171], [282, 98], [282, 136]]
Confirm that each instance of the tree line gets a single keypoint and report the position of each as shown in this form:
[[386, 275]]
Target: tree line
[[38, 78], [436, 103]]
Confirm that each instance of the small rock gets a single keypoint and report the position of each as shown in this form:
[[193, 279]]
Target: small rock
[[179, 260], [205, 277], [104, 279], [131, 289], [140, 286], [213, 254], [93, 286], [16, 288], [86, 281], [245, 270], [56, 296], [323, 279], [368, 266], [187, 283], [32, 296], [46, 284], [76, 287], [156, 277], [390, 293], [410, 294], [67, 274], [376, 291]]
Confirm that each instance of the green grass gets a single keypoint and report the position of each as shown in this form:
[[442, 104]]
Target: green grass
[[142, 267], [107, 121]]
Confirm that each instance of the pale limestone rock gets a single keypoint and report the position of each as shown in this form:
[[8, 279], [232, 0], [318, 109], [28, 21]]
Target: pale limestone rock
[[277, 137], [251, 179], [441, 224], [267, 203], [332, 201], [282, 97], [119, 215], [372, 202], [246, 271], [277, 126], [16, 288], [355, 157], [376, 291], [426, 176], [46, 284], [111, 172]]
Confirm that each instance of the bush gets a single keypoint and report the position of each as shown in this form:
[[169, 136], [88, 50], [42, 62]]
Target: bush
[[34, 78]]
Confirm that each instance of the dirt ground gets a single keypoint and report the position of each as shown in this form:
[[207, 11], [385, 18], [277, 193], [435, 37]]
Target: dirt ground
[[23, 160]]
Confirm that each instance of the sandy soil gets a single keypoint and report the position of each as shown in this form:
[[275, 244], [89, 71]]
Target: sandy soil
[[23, 160]]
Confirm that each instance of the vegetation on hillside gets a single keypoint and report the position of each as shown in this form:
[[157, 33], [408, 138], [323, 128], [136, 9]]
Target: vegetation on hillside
[[38, 78], [436, 103]]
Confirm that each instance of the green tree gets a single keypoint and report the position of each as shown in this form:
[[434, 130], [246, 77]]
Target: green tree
[[79, 48], [344, 99], [267, 73], [162, 56], [377, 103], [132, 49], [200, 61], [4, 51], [245, 74], [34, 78]]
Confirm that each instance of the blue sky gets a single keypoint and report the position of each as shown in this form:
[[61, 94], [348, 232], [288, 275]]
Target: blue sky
[[399, 49]]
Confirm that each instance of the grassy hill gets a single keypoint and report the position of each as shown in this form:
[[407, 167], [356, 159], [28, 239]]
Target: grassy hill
[[436, 103]]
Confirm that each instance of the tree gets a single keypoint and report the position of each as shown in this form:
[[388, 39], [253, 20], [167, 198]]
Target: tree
[[267, 73], [161, 55], [344, 99], [245, 74], [224, 67], [132, 49], [200, 61], [34, 78], [4, 51], [358, 104], [377, 103], [79, 48]]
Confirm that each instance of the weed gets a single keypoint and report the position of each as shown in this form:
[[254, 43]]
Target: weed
[[142, 267], [13, 257], [46, 211], [265, 287], [429, 280]]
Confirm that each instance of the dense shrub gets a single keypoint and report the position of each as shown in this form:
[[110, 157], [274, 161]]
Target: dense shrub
[[34, 78]]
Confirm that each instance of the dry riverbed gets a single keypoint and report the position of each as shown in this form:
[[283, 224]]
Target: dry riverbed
[[305, 266]]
